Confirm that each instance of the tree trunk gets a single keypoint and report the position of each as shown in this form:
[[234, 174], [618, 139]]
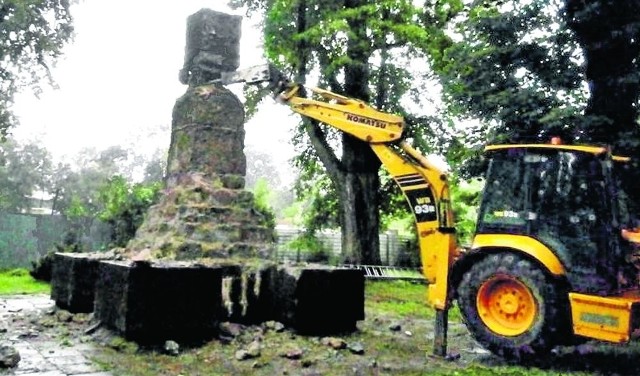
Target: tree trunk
[[359, 195], [359, 202]]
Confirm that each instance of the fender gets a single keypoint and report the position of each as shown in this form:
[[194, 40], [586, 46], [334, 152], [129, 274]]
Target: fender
[[524, 244]]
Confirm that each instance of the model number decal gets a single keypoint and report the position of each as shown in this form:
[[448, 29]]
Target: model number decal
[[600, 319], [419, 209], [423, 204]]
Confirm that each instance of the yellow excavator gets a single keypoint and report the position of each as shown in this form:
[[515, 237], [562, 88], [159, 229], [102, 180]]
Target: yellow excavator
[[551, 261]]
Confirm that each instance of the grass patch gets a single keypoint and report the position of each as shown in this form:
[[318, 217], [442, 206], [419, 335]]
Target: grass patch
[[402, 298], [18, 281]]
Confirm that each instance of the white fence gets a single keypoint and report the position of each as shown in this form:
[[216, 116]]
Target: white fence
[[395, 250]]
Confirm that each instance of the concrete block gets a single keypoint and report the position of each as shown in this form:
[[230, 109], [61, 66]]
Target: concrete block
[[310, 299], [73, 280], [152, 302]]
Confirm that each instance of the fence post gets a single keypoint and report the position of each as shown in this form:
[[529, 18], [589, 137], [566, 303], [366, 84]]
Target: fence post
[[392, 246], [388, 246]]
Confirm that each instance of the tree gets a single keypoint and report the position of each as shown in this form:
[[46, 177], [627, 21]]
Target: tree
[[512, 65], [358, 48], [608, 33], [260, 165], [24, 170], [124, 206], [532, 70], [32, 35]]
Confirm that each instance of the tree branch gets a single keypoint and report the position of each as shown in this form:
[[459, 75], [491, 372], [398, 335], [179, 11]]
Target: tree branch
[[316, 135]]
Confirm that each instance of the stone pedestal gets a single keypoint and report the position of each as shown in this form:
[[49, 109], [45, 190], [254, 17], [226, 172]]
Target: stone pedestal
[[310, 299], [151, 302], [154, 302], [73, 279]]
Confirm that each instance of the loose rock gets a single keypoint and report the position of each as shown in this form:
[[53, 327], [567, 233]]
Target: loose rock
[[9, 356], [356, 348], [292, 353], [254, 349], [334, 343], [171, 348], [275, 326], [229, 329], [64, 316], [242, 355], [395, 327]]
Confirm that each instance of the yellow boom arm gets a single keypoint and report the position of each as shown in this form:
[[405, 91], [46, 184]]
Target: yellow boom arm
[[424, 185]]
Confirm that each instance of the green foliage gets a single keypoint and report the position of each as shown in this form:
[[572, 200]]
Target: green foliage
[[262, 198], [33, 34], [76, 208], [18, 281], [124, 206], [322, 208], [308, 244], [24, 169], [514, 68], [466, 197], [81, 196]]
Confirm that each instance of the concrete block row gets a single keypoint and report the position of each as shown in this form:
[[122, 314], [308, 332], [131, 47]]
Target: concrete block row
[[155, 301]]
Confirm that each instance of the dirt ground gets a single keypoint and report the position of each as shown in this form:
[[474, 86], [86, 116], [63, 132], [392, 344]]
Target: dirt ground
[[384, 344]]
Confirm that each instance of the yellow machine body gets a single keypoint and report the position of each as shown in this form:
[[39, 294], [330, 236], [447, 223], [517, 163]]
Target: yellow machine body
[[607, 318]]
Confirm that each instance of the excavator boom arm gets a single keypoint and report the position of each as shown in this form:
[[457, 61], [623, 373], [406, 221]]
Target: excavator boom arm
[[424, 185], [348, 115]]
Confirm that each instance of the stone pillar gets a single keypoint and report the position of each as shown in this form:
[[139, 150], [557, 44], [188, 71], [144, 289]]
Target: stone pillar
[[204, 211]]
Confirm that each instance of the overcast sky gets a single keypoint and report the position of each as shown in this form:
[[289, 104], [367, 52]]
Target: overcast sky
[[119, 78]]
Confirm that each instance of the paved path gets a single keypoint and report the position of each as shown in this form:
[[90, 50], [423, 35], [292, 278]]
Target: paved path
[[42, 353]]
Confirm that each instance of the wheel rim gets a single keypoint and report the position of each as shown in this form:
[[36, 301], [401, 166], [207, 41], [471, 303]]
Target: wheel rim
[[506, 306]]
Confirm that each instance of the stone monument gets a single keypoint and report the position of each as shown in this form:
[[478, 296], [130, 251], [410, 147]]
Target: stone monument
[[201, 255], [205, 211]]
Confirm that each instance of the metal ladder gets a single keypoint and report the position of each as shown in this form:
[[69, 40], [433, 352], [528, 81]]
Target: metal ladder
[[388, 272]]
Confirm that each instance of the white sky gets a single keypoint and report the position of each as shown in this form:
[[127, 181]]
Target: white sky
[[119, 79]]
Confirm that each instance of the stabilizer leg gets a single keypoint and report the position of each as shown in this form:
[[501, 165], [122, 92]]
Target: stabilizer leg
[[440, 335]]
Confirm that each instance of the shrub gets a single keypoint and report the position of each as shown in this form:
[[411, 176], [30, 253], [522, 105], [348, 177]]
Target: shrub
[[312, 249]]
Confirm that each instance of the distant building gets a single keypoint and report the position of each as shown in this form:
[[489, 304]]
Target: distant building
[[41, 203]]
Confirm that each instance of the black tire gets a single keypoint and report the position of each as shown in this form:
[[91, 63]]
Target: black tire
[[526, 325]]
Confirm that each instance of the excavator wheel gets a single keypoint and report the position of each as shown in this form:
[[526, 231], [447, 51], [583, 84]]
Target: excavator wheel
[[512, 307]]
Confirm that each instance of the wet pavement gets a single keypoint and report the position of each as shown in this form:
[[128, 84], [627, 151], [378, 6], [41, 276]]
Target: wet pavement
[[22, 320]]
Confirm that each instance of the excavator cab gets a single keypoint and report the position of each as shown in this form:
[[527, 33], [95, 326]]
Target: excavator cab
[[551, 254], [567, 199]]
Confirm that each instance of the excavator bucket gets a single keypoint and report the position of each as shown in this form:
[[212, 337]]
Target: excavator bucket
[[255, 74]]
